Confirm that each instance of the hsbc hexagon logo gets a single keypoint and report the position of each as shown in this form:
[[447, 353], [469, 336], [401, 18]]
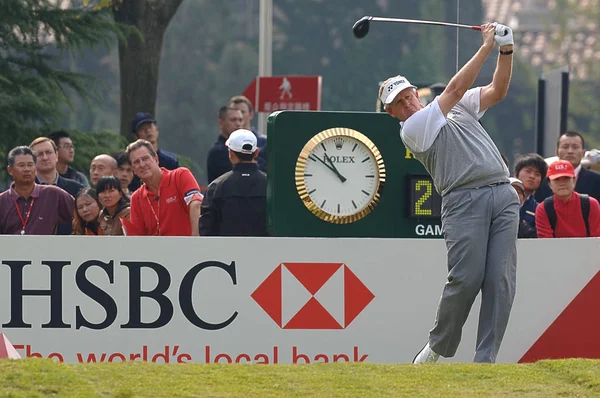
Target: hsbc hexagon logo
[[312, 296]]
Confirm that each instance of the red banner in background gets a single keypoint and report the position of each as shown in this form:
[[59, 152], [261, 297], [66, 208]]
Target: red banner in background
[[275, 93]]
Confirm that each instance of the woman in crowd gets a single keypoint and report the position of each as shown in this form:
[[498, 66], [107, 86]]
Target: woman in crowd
[[115, 205], [86, 213]]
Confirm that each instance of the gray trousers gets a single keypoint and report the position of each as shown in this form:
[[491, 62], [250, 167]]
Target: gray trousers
[[480, 229]]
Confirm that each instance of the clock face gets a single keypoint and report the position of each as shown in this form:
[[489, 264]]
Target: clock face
[[339, 175]]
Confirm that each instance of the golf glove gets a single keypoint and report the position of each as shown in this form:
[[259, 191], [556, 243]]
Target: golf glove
[[507, 38]]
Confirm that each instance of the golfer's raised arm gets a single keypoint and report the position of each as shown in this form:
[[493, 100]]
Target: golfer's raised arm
[[465, 77], [496, 91]]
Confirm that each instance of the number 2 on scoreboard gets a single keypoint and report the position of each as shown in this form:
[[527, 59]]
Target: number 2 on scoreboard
[[428, 191]]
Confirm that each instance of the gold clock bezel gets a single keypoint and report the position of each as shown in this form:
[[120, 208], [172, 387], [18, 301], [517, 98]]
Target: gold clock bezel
[[301, 184]]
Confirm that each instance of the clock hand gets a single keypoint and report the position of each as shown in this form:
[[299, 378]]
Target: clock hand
[[334, 169], [322, 161]]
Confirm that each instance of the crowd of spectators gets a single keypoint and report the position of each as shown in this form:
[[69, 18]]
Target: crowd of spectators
[[559, 200], [142, 190]]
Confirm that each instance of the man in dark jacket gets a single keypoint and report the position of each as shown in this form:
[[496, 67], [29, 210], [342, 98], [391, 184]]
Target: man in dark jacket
[[531, 170], [144, 126], [245, 106], [217, 161], [47, 174], [235, 204], [66, 154]]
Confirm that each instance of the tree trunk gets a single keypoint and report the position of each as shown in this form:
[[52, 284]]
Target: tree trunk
[[139, 58]]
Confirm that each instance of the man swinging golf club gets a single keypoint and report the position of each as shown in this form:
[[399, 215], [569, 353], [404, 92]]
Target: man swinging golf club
[[480, 209]]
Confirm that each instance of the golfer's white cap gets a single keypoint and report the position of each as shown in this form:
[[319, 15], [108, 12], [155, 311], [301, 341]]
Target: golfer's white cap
[[243, 141], [393, 87]]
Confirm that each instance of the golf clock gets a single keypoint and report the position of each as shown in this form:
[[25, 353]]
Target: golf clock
[[340, 175]]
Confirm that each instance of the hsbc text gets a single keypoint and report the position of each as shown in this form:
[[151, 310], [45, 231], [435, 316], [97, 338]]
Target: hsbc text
[[135, 294]]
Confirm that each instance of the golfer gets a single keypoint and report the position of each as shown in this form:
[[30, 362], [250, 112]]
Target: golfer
[[480, 209]]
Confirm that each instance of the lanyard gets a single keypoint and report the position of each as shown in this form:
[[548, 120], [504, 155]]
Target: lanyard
[[27, 214], [154, 213]]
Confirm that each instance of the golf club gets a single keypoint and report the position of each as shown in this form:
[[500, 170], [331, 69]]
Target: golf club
[[361, 27]]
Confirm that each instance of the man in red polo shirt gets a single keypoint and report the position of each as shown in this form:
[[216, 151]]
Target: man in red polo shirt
[[168, 204], [566, 207]]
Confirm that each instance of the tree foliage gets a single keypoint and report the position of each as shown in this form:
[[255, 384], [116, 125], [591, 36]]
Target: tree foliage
[[89, 145], [33, 92], [312, 37], [210, 53]]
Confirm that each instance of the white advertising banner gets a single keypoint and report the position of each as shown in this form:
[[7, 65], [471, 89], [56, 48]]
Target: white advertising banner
[[275, 300]]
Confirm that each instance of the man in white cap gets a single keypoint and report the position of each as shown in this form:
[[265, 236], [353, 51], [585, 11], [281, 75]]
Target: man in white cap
[[480, 209], [235, 204]]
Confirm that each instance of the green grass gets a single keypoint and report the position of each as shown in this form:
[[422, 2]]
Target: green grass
[[45, 378]]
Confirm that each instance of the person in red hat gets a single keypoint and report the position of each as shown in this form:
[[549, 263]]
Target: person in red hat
[[566, 214]]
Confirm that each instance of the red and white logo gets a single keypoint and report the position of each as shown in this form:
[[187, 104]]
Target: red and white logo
[[312, 296], [274, 93]]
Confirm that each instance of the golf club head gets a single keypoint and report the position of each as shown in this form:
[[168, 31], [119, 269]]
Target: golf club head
[[361, 27]]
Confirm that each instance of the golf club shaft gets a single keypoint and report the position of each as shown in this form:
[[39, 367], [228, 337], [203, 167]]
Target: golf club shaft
[[417, 21]]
